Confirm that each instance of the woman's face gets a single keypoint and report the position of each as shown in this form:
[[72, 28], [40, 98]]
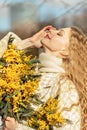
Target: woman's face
[[56, 40]]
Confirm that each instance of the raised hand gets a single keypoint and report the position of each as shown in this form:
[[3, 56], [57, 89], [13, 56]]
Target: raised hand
[[36, 39]]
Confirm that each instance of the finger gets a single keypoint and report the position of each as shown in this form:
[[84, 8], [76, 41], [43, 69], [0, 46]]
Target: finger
[[49, 27], [8, 118]]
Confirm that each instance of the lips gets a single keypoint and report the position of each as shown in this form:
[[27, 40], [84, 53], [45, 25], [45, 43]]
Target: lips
[[47, 36]]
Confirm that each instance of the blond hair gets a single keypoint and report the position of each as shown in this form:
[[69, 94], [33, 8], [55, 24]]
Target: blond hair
[[76, 67]]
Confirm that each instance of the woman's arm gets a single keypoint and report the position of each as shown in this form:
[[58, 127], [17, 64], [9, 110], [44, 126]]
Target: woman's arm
[[34, 41]]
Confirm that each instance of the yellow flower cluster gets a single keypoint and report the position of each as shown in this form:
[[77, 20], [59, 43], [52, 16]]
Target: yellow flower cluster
[[18, 85], [47, 116], [17, 82]]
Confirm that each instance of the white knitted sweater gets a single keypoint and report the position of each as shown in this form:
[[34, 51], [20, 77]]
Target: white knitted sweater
[[51, 70]]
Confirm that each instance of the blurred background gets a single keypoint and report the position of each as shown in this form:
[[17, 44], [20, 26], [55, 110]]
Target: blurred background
[[26, 17]]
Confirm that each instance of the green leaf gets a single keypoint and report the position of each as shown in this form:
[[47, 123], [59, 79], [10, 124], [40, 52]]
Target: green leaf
[[4, 111], [11, 39], [14, 93], [33, 61], [2, 61]]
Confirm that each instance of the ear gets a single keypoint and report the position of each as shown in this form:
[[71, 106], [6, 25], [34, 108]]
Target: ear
[[64, 53]]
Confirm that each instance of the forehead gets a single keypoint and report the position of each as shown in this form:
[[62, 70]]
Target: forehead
[[66, 33], [66, 30]]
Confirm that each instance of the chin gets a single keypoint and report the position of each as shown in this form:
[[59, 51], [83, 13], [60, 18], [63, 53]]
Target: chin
[[45, 41]]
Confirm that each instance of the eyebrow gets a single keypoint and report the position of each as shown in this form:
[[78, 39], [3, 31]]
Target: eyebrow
[[61, 30]]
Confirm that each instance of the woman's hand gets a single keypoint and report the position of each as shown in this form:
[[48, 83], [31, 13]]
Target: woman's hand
[[36, 39], [10, 124]]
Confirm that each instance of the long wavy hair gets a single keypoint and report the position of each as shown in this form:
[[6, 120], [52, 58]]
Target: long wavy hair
[[76, 67]]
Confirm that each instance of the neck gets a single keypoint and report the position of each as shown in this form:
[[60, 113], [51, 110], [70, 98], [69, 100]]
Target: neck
[[58, 54]]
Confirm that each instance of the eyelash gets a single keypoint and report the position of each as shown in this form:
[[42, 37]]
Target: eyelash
[[60, 34]]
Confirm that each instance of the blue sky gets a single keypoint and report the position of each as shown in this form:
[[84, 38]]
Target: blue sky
[[52, 8]]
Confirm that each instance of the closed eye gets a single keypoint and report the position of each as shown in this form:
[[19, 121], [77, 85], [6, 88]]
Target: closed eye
[[60, 33]]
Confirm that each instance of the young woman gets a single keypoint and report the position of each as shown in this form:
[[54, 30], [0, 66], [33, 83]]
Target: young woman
[[63, 68]]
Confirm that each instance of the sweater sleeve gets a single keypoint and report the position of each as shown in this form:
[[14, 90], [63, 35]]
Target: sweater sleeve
[[4, 42]]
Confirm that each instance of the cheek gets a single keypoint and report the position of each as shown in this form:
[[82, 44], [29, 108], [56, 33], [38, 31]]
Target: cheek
[[57, 44], [62, 44], [50, 44], [53, 44]]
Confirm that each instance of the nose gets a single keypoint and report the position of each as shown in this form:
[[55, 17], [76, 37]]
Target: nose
[[53, 33], [48, 36], [50, 33]]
